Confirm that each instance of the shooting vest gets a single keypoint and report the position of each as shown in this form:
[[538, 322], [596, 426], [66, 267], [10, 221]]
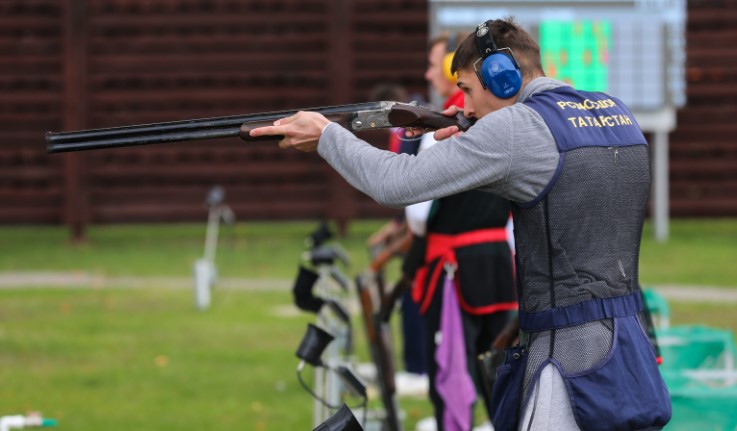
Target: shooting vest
[[577, 264]]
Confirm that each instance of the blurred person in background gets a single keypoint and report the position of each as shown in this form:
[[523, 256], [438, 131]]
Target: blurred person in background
[[464, 237]]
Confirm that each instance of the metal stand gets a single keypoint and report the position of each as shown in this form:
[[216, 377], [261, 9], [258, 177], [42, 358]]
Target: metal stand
[[205, 273], [331, 286], [323, 290]]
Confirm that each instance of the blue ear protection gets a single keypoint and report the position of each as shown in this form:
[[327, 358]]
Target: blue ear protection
[[499, 71]]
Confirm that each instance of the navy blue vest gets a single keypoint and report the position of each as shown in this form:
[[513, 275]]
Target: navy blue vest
[[578, 248], [578, 241]]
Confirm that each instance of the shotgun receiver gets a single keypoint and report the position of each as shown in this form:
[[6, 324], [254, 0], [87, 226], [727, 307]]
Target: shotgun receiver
[[356, 118]]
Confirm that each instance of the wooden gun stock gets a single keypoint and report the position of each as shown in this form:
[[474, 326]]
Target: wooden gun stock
[[389, 301], [378, 334]]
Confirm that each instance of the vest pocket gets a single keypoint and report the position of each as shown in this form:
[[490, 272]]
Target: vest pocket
[[506, 394], [625, 391]]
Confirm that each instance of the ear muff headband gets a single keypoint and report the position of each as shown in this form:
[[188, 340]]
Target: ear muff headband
[[447, 61], [498, 71], [450, 48]]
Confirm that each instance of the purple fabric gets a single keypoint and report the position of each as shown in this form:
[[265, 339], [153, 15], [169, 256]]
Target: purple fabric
[[452, 381]]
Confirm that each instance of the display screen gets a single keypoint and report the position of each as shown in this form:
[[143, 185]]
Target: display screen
[[633, 49], [577, 52]]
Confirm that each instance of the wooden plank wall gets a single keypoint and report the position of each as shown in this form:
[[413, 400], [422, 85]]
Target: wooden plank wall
[[70, 64], [153, 61], [31, 85], [703, 156]]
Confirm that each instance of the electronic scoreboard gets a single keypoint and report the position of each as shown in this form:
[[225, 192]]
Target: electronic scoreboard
[[632, 49]]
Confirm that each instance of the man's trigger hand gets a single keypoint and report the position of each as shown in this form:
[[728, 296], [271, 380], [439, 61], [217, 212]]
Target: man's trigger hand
[[445, 133], [452, 111]]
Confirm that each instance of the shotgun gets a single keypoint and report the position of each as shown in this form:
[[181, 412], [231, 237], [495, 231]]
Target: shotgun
[[356, 118], [378, 334], [390, 299]]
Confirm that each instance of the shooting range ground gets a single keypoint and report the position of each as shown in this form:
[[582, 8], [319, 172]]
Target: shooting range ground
[[123, 346]]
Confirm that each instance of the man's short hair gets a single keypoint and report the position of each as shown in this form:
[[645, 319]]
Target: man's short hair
[[507, 34]]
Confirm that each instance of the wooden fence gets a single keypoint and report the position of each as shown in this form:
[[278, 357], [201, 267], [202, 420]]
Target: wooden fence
[[72, 64], [703, 157]]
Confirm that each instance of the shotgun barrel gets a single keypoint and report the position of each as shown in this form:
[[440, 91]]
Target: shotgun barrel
[[355, 117], [178, 131]]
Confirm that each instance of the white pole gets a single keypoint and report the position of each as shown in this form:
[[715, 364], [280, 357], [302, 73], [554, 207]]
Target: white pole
[[211, 237], [203, 276], [660, 186]]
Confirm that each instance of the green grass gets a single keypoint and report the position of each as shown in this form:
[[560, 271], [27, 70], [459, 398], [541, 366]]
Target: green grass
[[120, 359], [144, 359], [698, 252], [253, 250]]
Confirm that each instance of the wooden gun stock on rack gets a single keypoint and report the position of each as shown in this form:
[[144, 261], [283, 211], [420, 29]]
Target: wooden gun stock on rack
[[378, 334]]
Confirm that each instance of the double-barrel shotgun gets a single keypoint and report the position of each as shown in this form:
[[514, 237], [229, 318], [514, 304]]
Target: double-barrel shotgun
[[355, 117]]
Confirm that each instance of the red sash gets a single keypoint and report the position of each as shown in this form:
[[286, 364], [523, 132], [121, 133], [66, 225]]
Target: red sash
[[442, 247]]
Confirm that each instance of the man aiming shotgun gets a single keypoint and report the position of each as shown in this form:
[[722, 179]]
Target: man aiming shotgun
[[575, 166]]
